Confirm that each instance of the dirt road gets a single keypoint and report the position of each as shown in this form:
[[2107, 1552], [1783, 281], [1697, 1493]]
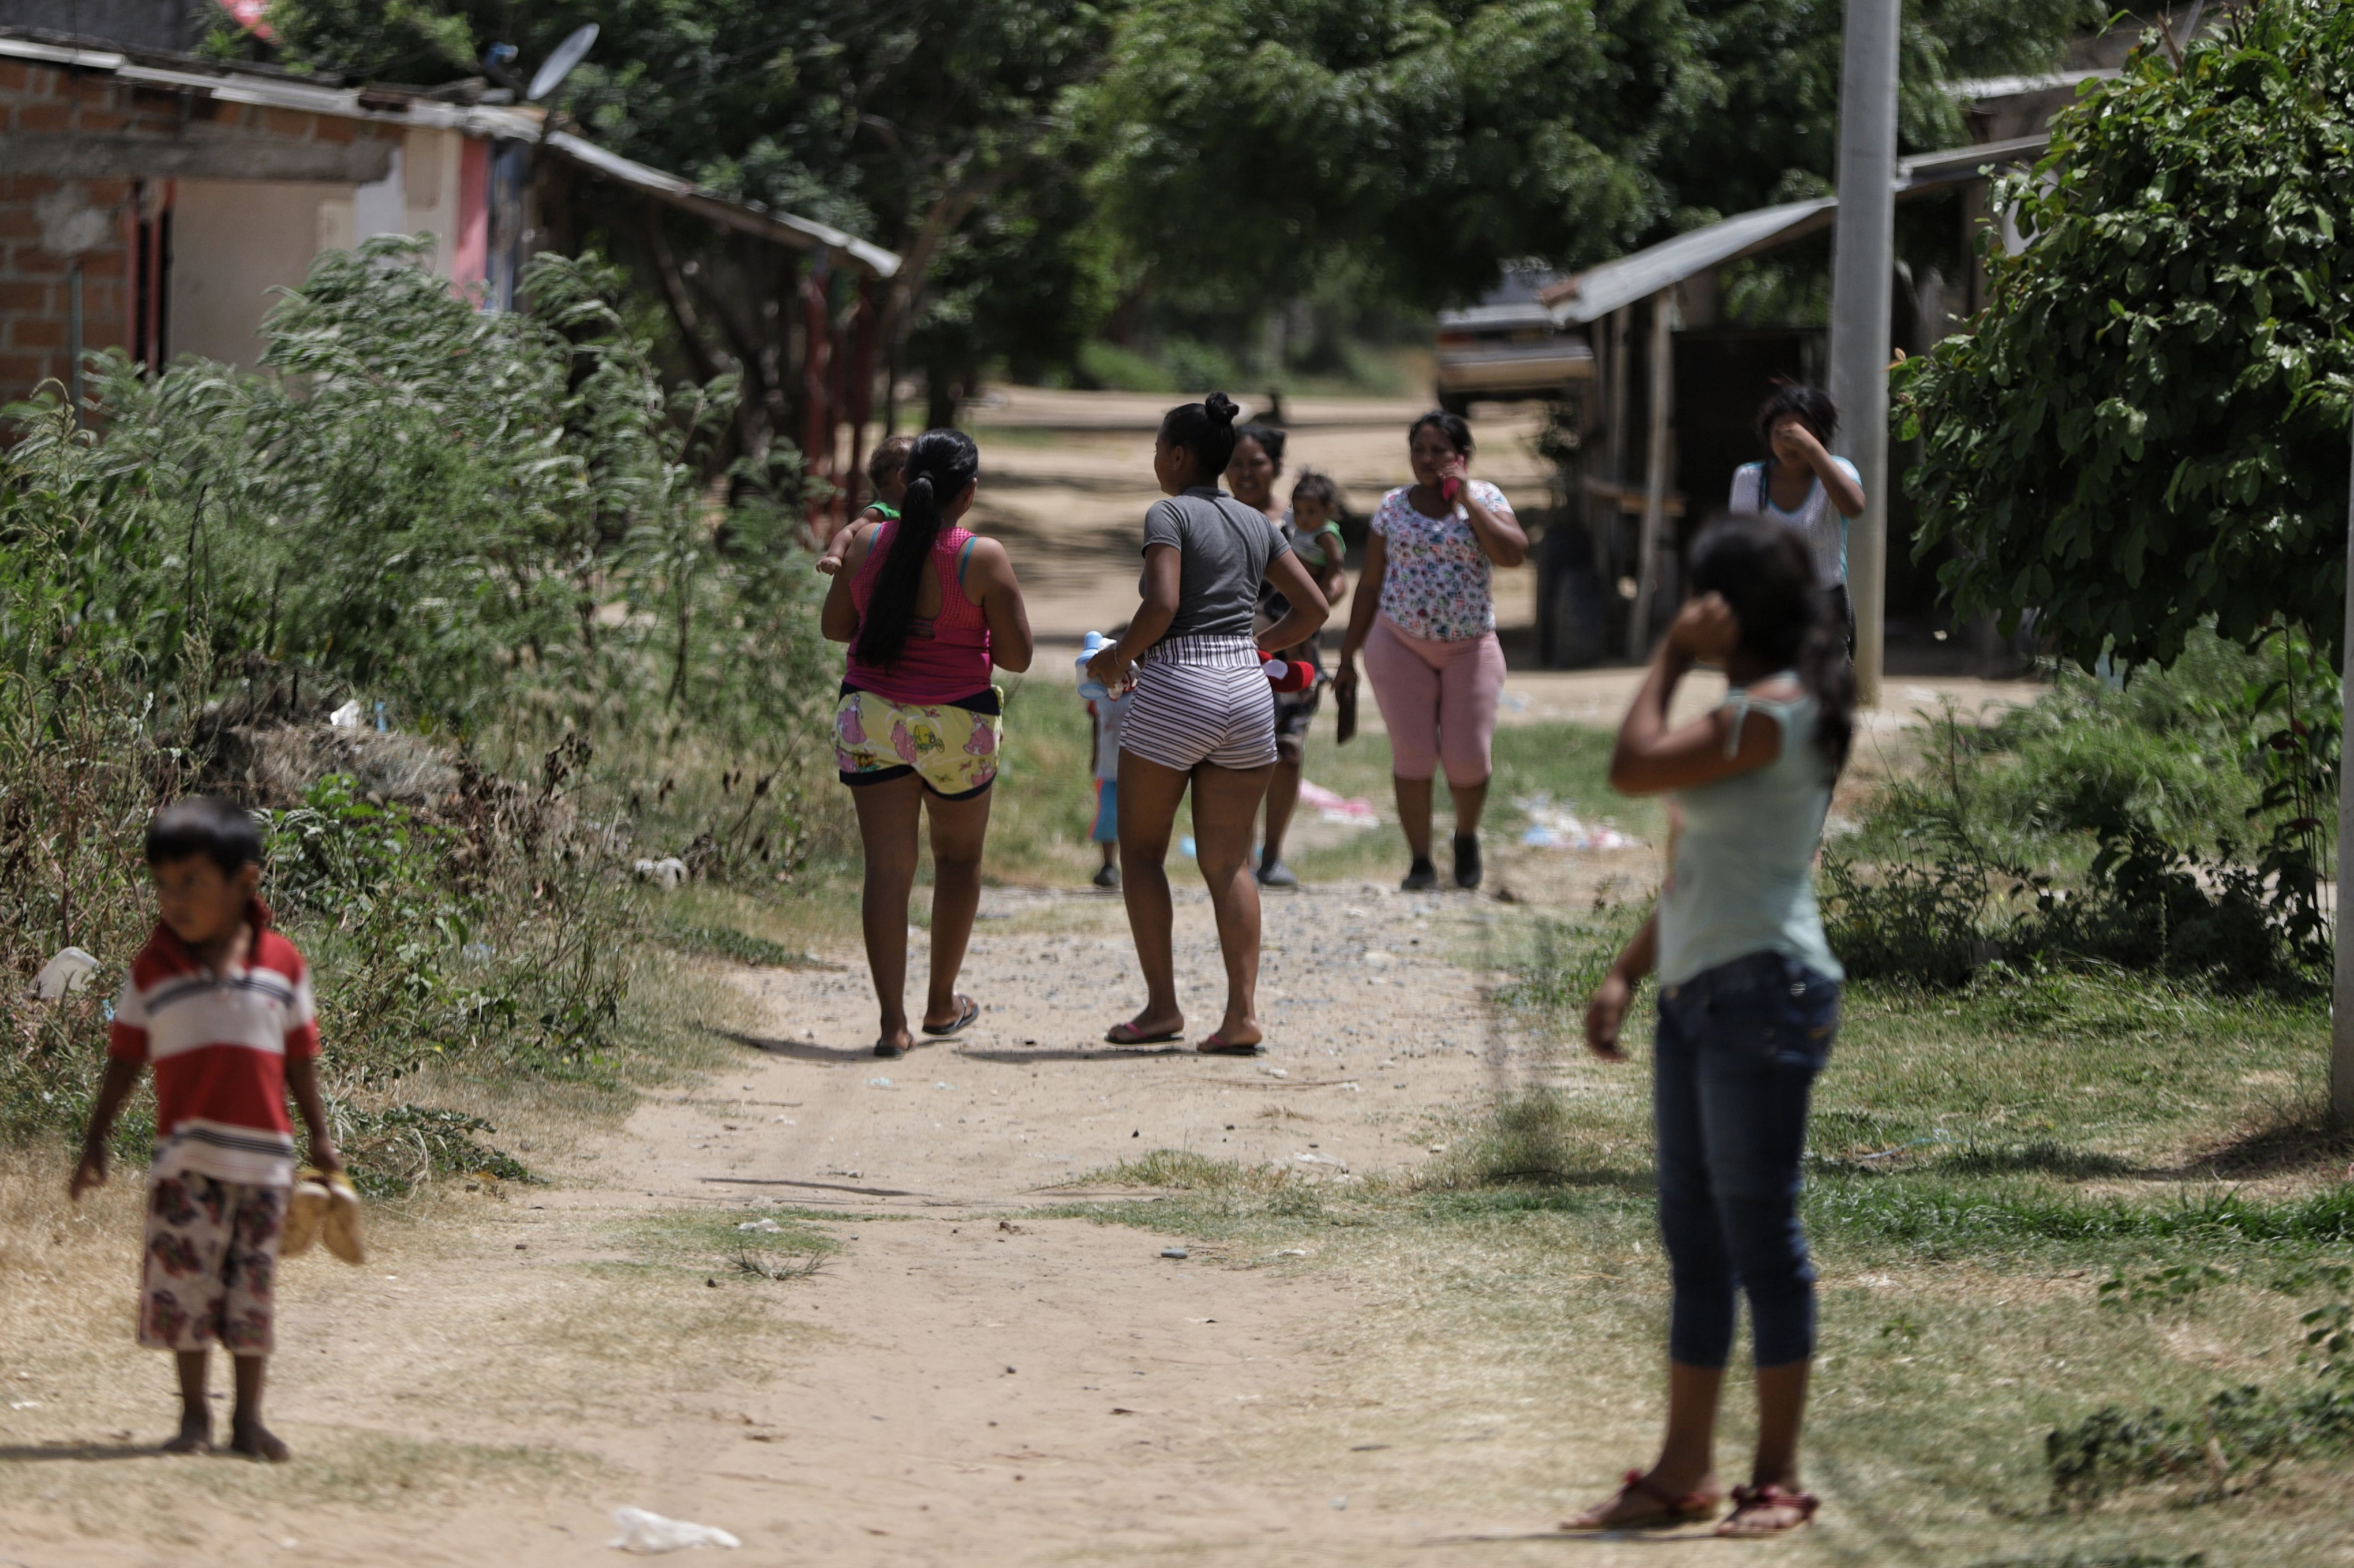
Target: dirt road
[[1067, 478], [963, 1382]]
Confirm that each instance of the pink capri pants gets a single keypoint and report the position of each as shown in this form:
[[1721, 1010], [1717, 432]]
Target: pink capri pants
[[1437, 701]]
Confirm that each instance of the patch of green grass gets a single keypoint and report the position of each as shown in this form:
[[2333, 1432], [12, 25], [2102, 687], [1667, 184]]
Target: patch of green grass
[[700, 1237], [1981, 1163], [727, 942], [1045, 797]]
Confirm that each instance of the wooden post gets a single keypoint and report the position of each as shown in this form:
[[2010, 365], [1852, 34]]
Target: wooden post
[[1655, 476], [859, 403], [2341, 997], [1602, 513], [817, 415]]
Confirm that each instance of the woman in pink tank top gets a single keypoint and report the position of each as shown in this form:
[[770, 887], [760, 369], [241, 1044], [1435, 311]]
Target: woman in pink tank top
[[927, 607]]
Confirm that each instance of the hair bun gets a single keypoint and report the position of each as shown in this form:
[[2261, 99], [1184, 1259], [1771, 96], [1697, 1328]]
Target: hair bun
[[1220, 408]]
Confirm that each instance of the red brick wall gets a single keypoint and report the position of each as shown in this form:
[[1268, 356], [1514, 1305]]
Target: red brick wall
[[34, 306]]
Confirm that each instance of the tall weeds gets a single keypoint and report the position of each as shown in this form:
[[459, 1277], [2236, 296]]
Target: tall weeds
[[2178, 822], [484, 527]]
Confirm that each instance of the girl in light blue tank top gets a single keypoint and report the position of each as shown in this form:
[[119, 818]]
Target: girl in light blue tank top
[[1748, 1004]]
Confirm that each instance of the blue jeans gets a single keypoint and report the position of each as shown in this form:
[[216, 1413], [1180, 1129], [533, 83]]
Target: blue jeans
[[1737, 1050]]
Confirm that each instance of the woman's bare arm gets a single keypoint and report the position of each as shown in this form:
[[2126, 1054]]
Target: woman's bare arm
[[1308, 611], [1111, 664], [838, 619], [1367, 604], [1605, 1012], [1650, 758], [1844, 493], [1499, 533], [991, 571]]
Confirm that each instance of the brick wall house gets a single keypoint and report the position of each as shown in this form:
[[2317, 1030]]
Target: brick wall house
[[151, 208], [156, 203]]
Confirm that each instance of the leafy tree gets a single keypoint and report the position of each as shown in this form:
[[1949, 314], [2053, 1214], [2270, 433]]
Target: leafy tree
[[2147, 427], [929, 126], [1247, 141]]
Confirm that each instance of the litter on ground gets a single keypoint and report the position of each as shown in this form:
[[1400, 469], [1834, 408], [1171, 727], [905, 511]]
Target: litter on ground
[[1558, 827], [643, 1531], [1353, 810]]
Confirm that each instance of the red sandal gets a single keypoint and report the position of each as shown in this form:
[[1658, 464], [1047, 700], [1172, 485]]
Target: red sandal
[[1750, 1500], [1689, 1508]]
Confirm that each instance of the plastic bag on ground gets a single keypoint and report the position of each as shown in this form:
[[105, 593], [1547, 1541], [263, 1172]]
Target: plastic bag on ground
[[643, 1531], [1354, 810], [64, 974]]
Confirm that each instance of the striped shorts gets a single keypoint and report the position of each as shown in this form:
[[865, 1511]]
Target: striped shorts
[[1202, 699]]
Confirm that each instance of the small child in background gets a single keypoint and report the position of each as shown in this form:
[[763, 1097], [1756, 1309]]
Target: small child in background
[[1313, 528], [887, 470], [219, 1004], [1108, 715]]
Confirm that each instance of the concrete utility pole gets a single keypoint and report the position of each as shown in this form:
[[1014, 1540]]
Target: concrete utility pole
[[2341, 990], [1863, 260]]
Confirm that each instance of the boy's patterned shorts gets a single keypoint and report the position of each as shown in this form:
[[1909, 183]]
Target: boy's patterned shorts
[[206, 1276]]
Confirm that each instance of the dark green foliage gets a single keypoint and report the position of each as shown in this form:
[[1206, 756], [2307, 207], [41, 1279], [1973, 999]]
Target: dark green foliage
[[2180, 824], [392, 1150], [2228, 1445], [1938, 1220], [2147, 430], [492, 522], [937, 130], [1248, 144], [727, 942], [473, 514]]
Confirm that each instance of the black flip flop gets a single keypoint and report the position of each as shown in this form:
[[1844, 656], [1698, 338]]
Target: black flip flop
[[1112, 1036], [1212, 1046], [963, 1022]]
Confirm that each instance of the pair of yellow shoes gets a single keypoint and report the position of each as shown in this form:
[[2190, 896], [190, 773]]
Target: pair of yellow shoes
[[324, 1209]]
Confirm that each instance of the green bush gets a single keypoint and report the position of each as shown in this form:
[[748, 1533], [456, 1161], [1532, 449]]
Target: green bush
[[1115, 368], [2178, 820], [497, 528]]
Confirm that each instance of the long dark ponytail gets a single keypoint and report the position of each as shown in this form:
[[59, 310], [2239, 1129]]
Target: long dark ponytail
[[1787, 619], [942, 463]]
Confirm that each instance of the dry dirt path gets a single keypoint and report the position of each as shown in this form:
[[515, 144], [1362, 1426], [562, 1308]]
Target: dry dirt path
[[1067, 478], [964, 1381]]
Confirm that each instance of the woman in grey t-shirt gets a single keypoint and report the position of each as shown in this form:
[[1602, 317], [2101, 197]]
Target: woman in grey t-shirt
[[1203, 715]]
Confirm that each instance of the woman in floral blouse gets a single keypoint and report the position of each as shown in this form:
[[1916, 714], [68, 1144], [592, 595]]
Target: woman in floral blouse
[[1425, 620]]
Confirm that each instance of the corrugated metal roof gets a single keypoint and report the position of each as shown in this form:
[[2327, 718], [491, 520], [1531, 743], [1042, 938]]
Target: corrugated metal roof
[[1596, 293], [1954, 164], [273, 91], [228, 84], [1981, 88], [749, 218]]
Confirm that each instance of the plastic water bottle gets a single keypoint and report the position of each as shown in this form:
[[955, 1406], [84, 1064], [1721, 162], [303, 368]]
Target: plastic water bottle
[[1090, 688]]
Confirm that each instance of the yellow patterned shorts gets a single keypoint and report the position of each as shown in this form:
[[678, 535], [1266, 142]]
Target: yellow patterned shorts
[[953, 750]]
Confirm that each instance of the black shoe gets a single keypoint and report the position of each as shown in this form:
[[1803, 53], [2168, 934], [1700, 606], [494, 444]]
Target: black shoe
[[1275, 874], [1108, 877], [1421, 876], [1466, 860]]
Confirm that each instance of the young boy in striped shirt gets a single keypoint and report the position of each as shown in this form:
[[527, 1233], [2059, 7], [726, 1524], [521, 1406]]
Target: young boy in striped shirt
[[220, 1005]]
